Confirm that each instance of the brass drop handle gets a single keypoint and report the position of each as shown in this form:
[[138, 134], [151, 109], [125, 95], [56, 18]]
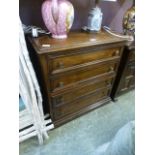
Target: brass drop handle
[[61, 84], [60, 64], [117, 52], [111, 69], [108, 82]]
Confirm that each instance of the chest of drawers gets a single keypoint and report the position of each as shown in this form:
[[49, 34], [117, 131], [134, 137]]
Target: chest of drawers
[[76, 74]]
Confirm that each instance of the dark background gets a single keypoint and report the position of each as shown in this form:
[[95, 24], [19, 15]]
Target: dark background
[[30, 12]]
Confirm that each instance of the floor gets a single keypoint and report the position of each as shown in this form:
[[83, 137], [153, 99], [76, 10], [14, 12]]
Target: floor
[[85, 134]]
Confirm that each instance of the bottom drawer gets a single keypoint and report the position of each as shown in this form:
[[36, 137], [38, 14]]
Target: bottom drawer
[[81, 103]]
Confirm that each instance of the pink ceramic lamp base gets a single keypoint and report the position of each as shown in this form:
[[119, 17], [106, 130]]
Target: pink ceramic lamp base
[[58, 17], [59, 36]]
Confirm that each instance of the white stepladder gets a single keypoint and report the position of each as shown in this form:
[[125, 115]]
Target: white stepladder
[[31, 120]]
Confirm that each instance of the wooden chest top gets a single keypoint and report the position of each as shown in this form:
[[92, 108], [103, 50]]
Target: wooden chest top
[[46, 44]]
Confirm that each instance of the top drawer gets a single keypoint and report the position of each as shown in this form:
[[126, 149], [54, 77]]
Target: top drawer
[[78, 58]]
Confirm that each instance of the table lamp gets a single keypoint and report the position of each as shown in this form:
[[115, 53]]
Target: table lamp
[[95, 18]]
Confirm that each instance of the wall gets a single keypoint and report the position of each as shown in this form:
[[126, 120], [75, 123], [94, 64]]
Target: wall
[[30, 13]]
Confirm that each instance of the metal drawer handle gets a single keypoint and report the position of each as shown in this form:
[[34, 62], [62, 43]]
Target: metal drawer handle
[[117, 52], [108, 83], [60, 64], [61, 84], [111, 69]]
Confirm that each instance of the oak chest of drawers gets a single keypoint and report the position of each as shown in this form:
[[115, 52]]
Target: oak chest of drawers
[[77, 73]]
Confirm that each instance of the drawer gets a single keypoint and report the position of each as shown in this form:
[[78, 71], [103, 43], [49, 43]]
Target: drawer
[[77, 76], [70, 60], [80, 103], [78, 92]]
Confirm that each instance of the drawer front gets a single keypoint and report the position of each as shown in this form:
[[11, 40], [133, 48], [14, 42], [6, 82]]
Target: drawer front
[[66, 61], [76, 93], [70, 78], [80, 103]]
